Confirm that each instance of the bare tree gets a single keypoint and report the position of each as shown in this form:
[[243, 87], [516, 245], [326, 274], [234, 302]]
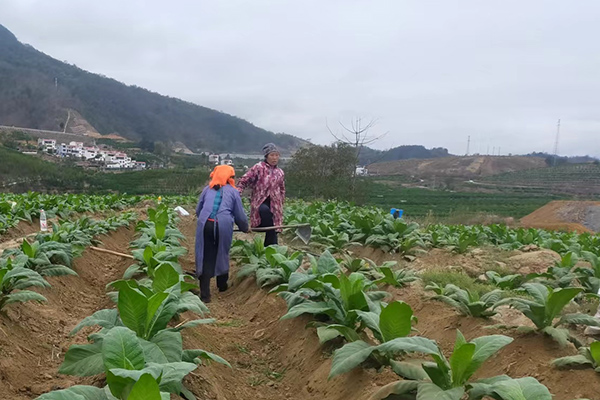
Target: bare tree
[[358, 136]]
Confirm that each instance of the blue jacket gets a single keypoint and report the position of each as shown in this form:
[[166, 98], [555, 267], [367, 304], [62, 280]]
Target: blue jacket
[[230, 211]]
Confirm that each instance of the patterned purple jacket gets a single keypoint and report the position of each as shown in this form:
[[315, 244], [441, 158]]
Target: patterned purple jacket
[[265, 181]]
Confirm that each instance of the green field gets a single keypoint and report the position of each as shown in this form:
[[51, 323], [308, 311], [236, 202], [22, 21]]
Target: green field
[[417, 202]]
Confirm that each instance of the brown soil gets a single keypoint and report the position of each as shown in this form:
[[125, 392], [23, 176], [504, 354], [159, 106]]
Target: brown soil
[[564, 215], [271, 359], [463, 167], [34, 337], [24, 228]]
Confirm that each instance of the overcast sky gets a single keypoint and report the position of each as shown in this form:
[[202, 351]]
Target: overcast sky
[[431, 72]]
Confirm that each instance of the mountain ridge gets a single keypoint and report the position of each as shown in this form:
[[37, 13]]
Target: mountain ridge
[[36, 91]]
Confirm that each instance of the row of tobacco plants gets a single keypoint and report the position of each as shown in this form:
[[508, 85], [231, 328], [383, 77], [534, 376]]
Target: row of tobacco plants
[[50, 254], [339, 225], [139, 346], [351, 310]]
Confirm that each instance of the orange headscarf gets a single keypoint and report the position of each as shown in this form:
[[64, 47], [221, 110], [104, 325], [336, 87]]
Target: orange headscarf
[[222, 175]]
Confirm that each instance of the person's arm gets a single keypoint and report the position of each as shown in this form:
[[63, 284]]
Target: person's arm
[[239, 214], [200, 202], [248, 180], [282, 187]]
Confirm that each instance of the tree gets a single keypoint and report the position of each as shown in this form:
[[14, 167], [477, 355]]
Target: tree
[[357, 136], [322, 172]]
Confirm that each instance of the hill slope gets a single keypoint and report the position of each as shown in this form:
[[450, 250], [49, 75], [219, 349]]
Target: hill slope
[[463, 167], [29, 98]]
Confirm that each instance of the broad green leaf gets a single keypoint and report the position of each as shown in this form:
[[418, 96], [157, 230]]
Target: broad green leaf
[[165, 277], [429, 391], [197, 355], [107, 318], [415, 344], [327, 264], [83, 360], [371, 320], [460, 362], [395, 320], [578, 319], [396, 388], [561, 335], [170, 343], [309, 308], [571, 360], [154, 303], [121, 349], [23, 296], [595, 352], [153, 353], [76, 393], [558, 299], [349, 357], [330, 332], [133, 308], [521, 389], [146, 388], [412, 369], [485, 347]]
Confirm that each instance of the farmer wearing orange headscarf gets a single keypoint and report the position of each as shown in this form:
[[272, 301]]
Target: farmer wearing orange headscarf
[[220, 205]]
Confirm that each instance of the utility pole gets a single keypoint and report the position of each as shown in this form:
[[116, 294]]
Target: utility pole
[[556, 143], [468, 145]]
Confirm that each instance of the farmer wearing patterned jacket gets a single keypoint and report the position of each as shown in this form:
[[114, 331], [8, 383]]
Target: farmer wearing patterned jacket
[[267, 182]]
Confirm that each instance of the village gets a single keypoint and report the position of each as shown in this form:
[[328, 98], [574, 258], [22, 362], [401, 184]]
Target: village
[[108, 158]]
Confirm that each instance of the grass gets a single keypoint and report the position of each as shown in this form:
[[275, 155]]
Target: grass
[[233, 323], [443, 277]]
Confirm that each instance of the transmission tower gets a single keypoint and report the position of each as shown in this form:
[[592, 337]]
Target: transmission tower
[[468, 144], [556, 142]]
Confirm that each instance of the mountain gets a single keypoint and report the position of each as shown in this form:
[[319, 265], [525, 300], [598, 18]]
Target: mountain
[[369, 156], [38, 91]]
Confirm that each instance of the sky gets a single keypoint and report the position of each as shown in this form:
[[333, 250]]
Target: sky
[[429, 72]]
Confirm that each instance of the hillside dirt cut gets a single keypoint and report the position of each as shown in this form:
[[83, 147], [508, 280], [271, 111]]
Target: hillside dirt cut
[[459, 167], [578, 216]]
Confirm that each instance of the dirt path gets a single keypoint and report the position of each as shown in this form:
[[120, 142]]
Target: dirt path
[[34, 337]]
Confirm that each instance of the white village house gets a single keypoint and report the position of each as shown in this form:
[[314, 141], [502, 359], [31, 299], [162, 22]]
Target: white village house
[[111, 159]]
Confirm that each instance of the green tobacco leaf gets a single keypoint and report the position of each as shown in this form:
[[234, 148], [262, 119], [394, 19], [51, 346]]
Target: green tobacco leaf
[[165, 277], [561, 335], [569, 361], [170, 343], [558, 299], [121, 349], [133, 307], [396, 388], [595, 352], [578, 319], [329, 332], [83, 360], [485, 347], [521, 389], [107, 318], [327, 264], [349, 357], [23, 296], [154, 304], [460, 362], [77, 393], [197, 355], [395, 320], [412, 369], [429, 391], [309, 308], [146, 388]]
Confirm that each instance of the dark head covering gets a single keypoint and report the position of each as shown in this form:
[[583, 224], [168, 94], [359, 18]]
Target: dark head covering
[[269, 148]]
